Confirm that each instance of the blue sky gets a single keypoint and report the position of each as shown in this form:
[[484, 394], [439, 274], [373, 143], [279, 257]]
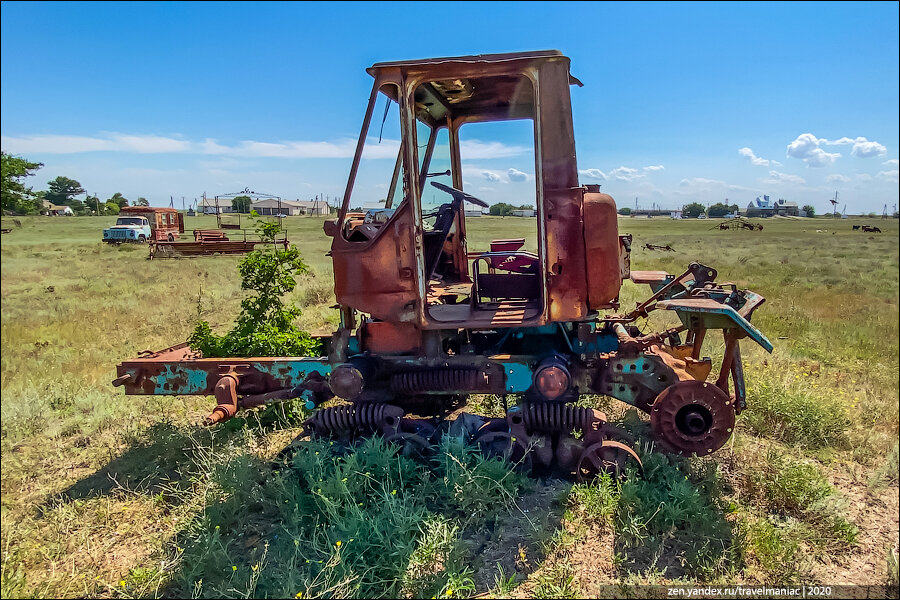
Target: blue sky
[[681, 101]]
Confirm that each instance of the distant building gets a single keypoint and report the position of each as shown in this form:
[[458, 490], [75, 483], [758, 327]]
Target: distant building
[[474, 213], [54, 210], [274, 206], [764, 207], [267, 206], [212, 206], [523, 212]]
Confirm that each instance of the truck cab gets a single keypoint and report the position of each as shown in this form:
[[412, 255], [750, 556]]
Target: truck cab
[[135, 229]]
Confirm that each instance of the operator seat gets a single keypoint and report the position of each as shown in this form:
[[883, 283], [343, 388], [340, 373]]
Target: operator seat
[[434, 240]]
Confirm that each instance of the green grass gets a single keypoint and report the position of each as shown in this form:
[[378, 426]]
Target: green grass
[[108, 495]]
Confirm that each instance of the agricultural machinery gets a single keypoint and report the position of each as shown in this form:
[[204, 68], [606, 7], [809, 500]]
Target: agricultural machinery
[[428, 319]]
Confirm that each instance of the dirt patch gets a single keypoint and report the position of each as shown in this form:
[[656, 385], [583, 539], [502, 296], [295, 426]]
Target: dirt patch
[[515, 542], [877, 515]]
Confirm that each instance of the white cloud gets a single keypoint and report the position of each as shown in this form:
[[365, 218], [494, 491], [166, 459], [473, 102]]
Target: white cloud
[[891, 176], [476, 150], [700, 182], [892, 162], [155, 144], [625, 174], [622, 173], [864, 177], [593, 174], [806, 148], [837, 178], [491, 176], [776, 178], [862, 147], [757, 160], [516, 175]]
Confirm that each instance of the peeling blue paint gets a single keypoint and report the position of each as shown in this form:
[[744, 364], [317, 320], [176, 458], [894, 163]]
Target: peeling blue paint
[[194, 380], [518, 377]]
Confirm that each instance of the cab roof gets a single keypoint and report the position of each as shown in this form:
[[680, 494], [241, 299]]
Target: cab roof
[[475, 58], [146, 209], [482, 86]]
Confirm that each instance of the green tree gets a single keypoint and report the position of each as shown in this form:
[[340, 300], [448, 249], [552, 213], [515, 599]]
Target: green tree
[[719, 210], [692, 210], [62, 191], [810, 210], [78, 207], [141, 201], [241, 204], [502, 209], [119, 200], [265, 326], [15, 196], [93, 203], [625, 211], [111, 208]]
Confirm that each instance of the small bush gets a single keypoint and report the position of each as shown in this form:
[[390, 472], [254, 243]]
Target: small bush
[[792, 488], [471, 484], [800, 490], [557, 581], [676, 507], [889, 471], [775, 545], [265, 326], [795, 416], [598, 499]]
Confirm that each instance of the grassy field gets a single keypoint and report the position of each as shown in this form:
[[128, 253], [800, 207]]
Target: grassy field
[[115, 496]]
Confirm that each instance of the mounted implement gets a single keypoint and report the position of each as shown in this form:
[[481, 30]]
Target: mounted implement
[[428, 319]]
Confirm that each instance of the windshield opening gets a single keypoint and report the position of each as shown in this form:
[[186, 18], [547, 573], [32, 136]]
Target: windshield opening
[[130, 221], [379, 184]]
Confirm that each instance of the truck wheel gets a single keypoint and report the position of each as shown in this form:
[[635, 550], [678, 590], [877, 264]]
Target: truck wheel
[[142, 239], [170, 238]]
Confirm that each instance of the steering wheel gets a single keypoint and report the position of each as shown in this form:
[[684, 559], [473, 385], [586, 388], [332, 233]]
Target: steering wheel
[[460, 195]]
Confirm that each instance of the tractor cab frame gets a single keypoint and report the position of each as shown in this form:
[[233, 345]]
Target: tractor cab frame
[[421, 275]]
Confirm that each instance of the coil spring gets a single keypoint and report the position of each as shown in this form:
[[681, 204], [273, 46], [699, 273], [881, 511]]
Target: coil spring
[[349, 417], [552, 417], [434, 380]]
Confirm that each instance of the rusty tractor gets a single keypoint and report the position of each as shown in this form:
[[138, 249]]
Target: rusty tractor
[[426, 320]]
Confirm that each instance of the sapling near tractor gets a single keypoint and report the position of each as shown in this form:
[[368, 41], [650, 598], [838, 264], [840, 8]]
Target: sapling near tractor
[[428, 319]]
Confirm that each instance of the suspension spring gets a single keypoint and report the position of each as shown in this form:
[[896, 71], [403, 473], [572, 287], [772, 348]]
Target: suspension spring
[[551, 417], [347, 418], [435, 380]]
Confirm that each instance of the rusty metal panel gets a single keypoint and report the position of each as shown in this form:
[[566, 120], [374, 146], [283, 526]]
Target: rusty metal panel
[[381, 337], [378, 277], [566, 285], [559, 204], [602, 248]]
